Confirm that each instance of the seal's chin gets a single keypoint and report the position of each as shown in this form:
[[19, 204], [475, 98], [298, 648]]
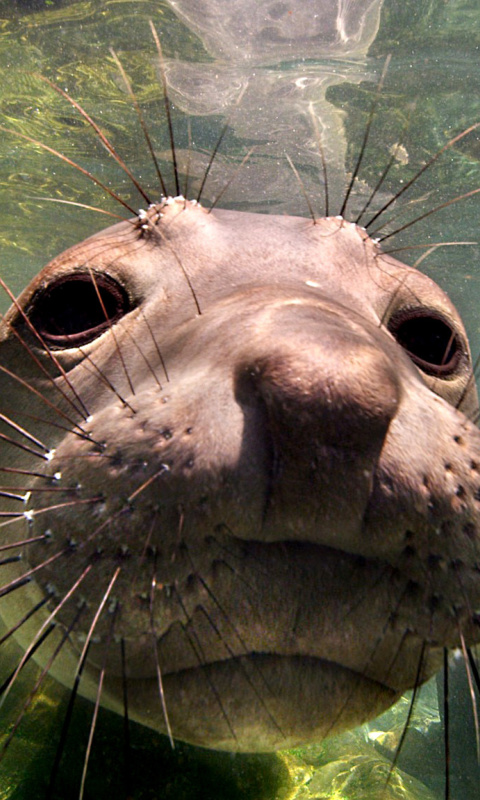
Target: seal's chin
[[260, 702]]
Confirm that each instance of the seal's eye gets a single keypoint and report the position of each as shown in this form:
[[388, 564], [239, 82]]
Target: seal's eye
[[75, 309], [429, 340]]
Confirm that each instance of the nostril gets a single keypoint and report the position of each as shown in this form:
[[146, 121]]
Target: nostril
[[340, 395]]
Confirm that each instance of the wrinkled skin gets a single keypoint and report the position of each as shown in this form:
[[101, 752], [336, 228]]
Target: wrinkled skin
[[287, 500]]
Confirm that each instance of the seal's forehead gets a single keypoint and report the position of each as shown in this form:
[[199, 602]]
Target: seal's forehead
[[176, 250]]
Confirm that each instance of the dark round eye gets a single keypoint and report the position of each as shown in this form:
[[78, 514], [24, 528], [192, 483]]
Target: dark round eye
[[77, 308], [429, 340]]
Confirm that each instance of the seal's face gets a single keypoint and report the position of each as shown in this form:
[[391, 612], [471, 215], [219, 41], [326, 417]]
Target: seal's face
[[253, 465]]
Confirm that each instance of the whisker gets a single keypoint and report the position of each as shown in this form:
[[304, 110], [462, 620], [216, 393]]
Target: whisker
[[163, 468], [244, 671], [446, 722], [10, 560], [24, 619], [40, 631], [472, 693], [46, 633], [387, 169], [302, 187], [421, 663], [37, 512], [167, 105], [104, 378], [231, 179], [41, 397], [318, 137], [97, 704], [141, 118], [161, 692], [23, 542], [199, 655], [144, 358], [24, 432], [474, 668], [155, 344], [426, 166], [189, 158], [158, 232], [126, 724], [78, 205], [69, 161], [38, 683], [24, 447], [7, 491], [112, 332], [430, 248], [427, 214], [74, 690], [107, 144], [366, 135], [27, 472], [219, 142]]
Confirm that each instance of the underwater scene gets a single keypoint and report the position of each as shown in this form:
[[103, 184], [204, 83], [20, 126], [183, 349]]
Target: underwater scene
[[367, 110]]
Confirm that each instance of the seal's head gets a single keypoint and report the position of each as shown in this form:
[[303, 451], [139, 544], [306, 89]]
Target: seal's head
[[250, 459]]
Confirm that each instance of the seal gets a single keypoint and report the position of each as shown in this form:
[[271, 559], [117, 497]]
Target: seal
[[249, 458], [241, 475]]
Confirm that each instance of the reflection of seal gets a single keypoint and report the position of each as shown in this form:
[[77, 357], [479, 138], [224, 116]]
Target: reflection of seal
[[251, 439]]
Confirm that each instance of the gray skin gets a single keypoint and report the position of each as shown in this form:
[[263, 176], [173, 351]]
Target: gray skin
[[288, 501]]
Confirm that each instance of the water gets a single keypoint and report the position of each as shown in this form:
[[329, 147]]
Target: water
[[433, 80]]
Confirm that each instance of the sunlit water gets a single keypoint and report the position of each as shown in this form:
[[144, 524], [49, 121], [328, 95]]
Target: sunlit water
[[211, 58]]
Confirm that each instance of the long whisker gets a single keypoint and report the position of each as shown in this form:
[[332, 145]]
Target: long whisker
[[38, 683], [141, 118], [69, 161], [387, 169], [196, 646], [446, 722], [97, 704], [85, 206], [32, 513], [23, 543], [24, 432], [41, 396], [302, 187], [366, 136], [24, 619], [421, 171], [112, 332], [472, 693], [76, 683], [321, 150], [426, 214], [219, 142], [155, 344], [40, 631], [46, 633], [244, 672], [231, 179], [107, 144], [161, 692], [167, 105], [126, 724], [83, 411], [421, 663]]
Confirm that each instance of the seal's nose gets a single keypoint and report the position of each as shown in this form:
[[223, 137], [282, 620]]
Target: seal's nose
[[329, 377], [330, 391]]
